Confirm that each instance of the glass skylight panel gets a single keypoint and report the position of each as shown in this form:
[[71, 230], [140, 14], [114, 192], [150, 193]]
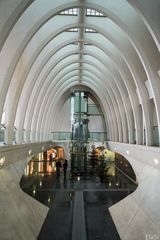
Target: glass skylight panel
[[72, 11], [72, 30], [87, 43], [92, 12], [89, 30]]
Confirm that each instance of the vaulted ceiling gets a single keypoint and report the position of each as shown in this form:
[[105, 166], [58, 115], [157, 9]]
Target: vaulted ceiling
[[109, 48]]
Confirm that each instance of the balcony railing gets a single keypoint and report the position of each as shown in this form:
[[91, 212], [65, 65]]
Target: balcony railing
[[92, 108], [61, 136], [66, 136], [97, 136]]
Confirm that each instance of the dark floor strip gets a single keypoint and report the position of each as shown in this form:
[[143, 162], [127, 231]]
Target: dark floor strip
[[79, 231]]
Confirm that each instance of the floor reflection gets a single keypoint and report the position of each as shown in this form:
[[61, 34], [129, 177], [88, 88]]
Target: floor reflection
[[37, 183], [35, 167], [58, 195]]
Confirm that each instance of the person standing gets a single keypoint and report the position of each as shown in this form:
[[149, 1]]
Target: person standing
[[50, 158], [58, 167], [65, 165]]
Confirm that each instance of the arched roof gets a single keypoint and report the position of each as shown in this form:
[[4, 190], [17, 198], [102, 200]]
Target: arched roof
[[113, 53]]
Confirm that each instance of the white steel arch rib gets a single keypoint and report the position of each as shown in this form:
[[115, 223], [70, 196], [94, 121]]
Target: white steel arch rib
[[46, 56], [118, 44]]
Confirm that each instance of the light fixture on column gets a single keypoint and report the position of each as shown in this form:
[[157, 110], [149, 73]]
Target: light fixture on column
[[2, 160]]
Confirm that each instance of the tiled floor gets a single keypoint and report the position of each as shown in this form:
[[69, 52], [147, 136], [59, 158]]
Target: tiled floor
[[59, 195]]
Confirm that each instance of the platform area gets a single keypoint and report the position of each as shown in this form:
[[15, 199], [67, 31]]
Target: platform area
[[78, 204]]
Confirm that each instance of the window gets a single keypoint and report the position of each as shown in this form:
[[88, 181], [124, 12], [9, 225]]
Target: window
[[89, 30], [91, 12], [72, 30], [87, 43], [72, 11]]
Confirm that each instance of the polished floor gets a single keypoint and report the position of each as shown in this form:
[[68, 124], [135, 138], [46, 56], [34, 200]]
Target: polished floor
[[71, 197]]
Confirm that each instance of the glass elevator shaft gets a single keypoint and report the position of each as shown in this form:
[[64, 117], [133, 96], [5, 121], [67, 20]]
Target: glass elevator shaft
[[79, 102]]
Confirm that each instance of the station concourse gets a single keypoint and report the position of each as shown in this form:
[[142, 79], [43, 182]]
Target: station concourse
[[79, 76]]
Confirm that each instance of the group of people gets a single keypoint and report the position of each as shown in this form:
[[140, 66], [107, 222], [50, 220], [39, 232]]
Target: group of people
[[59, 166]]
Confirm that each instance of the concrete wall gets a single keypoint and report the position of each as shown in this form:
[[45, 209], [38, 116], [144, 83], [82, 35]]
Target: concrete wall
[[138, 215], [21, 216]]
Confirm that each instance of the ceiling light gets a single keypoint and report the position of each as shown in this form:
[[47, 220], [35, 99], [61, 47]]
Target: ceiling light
[[156, 161]]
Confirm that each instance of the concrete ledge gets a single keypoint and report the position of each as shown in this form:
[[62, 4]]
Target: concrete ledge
[[16, 153], [21, 217], [131, 221], [138, 215]]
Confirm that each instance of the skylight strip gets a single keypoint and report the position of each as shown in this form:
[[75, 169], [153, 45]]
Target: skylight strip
[[92, 12], [72, 11]]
